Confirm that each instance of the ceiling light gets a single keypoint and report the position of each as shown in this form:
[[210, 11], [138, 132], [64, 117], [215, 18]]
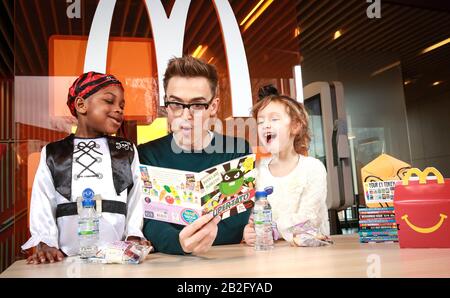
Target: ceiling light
[[387, 67], [337, 34], [202, 51], [197, 51], [436, 45], [257, 14], [251, 12]]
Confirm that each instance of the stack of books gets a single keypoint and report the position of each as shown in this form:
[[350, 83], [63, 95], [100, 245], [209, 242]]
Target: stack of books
[[377, 225]]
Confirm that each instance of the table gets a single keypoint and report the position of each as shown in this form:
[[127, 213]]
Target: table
[[345, 258]]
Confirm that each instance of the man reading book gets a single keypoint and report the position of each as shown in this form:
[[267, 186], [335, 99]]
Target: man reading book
[[191, 101]]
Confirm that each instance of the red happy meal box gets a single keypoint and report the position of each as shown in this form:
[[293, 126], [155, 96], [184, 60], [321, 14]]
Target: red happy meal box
[[421, 209]]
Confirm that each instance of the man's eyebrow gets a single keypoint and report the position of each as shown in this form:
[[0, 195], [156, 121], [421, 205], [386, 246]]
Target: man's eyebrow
[[174, 97], [200, 98]]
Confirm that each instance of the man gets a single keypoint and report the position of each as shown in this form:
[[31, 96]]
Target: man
[[191, 101]]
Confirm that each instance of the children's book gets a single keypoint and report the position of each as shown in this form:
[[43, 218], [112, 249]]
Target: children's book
[[181, 196], [379, 193]]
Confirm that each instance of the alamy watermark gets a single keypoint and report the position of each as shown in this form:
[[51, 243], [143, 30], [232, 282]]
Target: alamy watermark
[[374, 267], [373, 11], [234, 132], [73, 11], [74, 269]]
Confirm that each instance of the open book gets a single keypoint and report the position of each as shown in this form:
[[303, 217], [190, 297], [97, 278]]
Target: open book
[[181, 196]]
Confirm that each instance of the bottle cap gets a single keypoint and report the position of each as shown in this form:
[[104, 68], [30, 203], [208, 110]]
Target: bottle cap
[[268, 190], [88, 195], [260, 194]]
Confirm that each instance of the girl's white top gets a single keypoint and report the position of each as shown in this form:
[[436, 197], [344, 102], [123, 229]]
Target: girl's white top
[[298, 197]]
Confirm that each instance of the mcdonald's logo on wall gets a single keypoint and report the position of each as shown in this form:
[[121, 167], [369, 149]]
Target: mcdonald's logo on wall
[[168, 32]]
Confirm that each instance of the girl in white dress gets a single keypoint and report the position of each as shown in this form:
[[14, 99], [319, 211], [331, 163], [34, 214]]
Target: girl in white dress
[[298, 181]]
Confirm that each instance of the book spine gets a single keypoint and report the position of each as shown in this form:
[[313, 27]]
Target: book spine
[[377, 220], [376, 212], [377, 239], [375, 216], [376, 226], [376, 209], [377, 233]]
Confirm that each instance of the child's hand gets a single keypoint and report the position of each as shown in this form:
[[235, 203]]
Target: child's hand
[[249, 233], [44, 254], [139, 240]]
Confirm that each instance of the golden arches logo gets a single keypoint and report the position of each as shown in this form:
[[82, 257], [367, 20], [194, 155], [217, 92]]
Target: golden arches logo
[[425, 230], [423, 175]]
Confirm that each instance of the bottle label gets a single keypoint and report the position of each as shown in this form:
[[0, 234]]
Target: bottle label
[[88, 227], [263, 217]]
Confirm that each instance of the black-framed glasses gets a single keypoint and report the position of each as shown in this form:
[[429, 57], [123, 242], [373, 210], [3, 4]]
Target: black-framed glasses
[[196, 107]]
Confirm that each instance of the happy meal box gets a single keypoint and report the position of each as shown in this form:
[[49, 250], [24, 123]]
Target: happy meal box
[[181, 196], [422, 207]]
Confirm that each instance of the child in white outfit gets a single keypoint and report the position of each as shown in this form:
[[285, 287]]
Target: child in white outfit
[[299, 182], [90, 161]]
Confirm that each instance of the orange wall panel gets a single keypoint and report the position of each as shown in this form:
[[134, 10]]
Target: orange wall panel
[[131, 60]]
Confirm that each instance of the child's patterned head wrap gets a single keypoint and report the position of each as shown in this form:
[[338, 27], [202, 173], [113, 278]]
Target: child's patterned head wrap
[[88, 84]]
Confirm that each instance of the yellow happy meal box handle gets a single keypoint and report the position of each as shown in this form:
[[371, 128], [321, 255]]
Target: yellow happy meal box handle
[[423, 175]]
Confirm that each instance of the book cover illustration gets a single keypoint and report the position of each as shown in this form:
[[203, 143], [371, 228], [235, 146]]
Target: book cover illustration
[[181, 196], [379, 193], [379, 178]]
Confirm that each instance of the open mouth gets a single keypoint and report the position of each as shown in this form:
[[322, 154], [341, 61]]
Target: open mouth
[[186, 129], [269, 136]]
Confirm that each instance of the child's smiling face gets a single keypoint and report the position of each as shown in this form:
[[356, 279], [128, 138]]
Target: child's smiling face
[[104, 110], [275, 128]]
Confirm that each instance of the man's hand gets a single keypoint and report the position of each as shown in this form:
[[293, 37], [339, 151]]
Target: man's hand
[[199, 236], [45, 254], [249, 233]]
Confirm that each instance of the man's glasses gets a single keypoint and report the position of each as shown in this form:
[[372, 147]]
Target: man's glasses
[[178, 107]]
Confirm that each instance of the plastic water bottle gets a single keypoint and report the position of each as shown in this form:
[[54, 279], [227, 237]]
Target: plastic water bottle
[[88, 226], [262, 218]]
